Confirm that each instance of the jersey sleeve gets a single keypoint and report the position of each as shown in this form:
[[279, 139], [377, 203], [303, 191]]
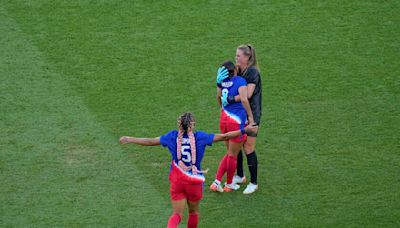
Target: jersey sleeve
[[241, 82], [205, 138], [168, 138], [252, 75]]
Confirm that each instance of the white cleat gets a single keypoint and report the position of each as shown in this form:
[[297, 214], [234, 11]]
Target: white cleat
[[231, 187], [215, 187], [239, 180], [250, 188]]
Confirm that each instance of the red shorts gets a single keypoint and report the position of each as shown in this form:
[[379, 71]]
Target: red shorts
[[227, 124], [192, 192]]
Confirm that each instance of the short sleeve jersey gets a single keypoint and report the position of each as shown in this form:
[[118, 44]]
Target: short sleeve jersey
[[202, 140], [252, 76], [230, 86]]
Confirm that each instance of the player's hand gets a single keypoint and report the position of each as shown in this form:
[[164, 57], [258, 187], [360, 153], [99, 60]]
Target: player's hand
[[231, 99], [222, 74], [252, 127], [224, 99], [123, 140], [251, 120]]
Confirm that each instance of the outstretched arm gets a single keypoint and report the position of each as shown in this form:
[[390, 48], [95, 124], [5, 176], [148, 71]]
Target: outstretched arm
[[232, 134], [140, 141]]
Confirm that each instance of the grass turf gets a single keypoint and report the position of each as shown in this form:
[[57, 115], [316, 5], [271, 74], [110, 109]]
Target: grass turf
[[77, 75]]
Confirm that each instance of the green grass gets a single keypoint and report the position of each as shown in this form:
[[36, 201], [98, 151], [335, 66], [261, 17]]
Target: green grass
[[76, 75]]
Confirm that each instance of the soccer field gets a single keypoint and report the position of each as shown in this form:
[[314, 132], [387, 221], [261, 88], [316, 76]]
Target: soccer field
[[76, 75]]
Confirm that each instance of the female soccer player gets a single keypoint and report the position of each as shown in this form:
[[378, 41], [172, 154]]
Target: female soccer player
[[246, 62], [233, 117], [186, 177]]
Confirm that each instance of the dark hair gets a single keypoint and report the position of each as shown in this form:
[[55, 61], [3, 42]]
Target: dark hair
[[230, 66], [185, 125], [185, 121]]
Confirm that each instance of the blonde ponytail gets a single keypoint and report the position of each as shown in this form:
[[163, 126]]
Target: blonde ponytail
[[249, 51]]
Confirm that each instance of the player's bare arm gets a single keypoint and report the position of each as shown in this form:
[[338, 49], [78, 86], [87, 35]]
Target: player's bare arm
[[245, 103], [140, 141], [223, 137], [250, 91], [219, 94]]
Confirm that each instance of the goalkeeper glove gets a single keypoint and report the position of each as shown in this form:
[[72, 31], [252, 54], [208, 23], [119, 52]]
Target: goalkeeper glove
[[222, 74]]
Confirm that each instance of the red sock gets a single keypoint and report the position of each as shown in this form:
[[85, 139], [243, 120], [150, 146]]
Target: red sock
[[231, 168], [174, 220], [193, 220], [222, 167]]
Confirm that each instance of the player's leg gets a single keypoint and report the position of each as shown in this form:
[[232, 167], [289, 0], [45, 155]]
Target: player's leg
[[223, 126], [194, 196], [178, 207], [222, 165], [235, 145], [250, 144], [178, 202], [234, 148], [239, 178], [222, 168], [228, 165], [227, 144], [252, 162], [216, 185], [193, 214]]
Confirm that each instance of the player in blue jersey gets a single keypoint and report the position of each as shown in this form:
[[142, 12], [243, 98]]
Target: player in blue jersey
[[246, 63], [233, 117], [186, 176]]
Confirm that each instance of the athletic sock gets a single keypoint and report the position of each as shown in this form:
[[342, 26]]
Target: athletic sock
[[252, 162], [230, 169], [222, 168], [193, 220], [174, 220], [239, 169]]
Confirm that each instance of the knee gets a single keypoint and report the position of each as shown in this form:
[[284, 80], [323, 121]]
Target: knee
[[179, 213], [230, 153], [193, 210]]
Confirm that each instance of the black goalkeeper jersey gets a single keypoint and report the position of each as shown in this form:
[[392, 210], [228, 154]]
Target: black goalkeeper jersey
[[252, 76]]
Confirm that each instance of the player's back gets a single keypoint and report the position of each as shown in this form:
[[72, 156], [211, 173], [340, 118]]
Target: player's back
[[230, 87], [202, 139]]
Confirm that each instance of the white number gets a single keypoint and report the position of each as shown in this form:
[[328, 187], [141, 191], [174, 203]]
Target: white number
[[225, 92], [185, 152]]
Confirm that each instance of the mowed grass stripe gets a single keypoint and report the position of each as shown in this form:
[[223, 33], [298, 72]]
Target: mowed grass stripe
[[59, 166]]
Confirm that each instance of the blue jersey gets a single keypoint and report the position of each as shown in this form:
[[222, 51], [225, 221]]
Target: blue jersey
[[230, 86], [202, 140]]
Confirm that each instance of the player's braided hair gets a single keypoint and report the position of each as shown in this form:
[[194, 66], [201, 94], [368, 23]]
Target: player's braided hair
[[185, 125]]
